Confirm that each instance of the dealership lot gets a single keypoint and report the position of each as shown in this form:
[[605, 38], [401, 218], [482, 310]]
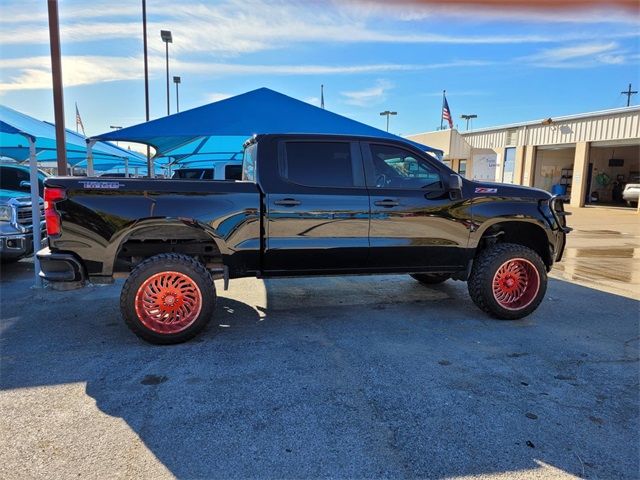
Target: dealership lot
[[335, 377]]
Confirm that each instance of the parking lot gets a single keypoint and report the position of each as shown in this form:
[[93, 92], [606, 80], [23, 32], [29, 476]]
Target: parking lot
[[349, 377]]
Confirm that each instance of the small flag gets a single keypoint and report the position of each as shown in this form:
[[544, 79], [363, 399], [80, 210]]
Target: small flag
[[79, 121], [322, 96], [446, 113]]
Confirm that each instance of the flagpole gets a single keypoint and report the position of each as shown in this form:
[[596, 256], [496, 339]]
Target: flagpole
[[442, 111]]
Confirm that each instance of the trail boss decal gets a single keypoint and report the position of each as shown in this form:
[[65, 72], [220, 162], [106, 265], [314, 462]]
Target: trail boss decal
[[486, 190], [102, 185]]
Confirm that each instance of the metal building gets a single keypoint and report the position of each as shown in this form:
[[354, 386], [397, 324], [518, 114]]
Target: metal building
[[588, 156]]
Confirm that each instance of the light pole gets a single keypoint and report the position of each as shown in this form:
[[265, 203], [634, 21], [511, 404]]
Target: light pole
[[387, 113], [176, 80], [468, 117], [150, 167], [167, 39], [115, 127]]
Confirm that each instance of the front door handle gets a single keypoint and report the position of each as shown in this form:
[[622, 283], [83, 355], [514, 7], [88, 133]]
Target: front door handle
[[287, 202], [386, 203]]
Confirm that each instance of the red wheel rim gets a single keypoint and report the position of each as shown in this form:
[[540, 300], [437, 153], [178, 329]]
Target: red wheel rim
[[516, 284], [168, 302]]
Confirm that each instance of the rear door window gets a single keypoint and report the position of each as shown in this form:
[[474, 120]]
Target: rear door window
[[318, 164]]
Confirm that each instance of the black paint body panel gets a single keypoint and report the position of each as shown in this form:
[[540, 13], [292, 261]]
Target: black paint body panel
[[328, 230]]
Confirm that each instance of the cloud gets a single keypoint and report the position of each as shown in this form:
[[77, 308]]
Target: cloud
[[368, 96], [35, 72], [216, 97], [312, 100], [236, 27], [525, 11], [579, 56]]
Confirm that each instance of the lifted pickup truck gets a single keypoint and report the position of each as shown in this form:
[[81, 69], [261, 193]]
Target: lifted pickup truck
[[307, 205]]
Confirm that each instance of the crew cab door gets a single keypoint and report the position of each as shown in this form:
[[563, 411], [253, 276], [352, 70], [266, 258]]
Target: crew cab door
[[317, 208], [414, 221]]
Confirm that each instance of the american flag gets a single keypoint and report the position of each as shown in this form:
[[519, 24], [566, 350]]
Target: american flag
[[446, 113], [79, 121]]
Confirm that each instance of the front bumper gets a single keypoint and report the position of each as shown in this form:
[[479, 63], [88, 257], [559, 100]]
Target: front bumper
[[18, 245], [57, 267]]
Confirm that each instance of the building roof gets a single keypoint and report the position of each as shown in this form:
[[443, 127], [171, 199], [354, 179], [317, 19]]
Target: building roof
[[564, 118]]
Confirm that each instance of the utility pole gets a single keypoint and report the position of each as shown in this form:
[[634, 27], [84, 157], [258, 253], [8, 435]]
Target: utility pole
[[58, 98], [628, 93]]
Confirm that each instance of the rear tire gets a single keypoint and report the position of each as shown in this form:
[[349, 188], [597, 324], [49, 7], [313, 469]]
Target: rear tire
[[431, 278], [168, 298], [508, 281]]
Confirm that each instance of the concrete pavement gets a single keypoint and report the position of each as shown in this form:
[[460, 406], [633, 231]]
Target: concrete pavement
[[351, 377]]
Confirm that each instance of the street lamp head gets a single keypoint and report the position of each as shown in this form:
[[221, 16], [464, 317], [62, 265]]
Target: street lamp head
[[393, 113], [166, 36], [388, 112], [176, 79]]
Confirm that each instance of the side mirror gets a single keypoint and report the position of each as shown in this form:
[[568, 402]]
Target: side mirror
[[455, 186], [25, 185]]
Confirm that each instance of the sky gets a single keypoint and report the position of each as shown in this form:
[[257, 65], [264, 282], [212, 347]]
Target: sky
[[504, 65]]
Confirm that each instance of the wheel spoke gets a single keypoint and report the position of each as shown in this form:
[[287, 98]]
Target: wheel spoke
[[168, 302]]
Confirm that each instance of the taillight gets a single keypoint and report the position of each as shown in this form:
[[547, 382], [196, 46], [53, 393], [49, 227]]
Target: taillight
[[51, 215]]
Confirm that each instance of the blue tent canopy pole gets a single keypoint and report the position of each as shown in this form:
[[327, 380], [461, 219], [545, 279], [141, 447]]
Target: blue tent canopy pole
[[35, 206]]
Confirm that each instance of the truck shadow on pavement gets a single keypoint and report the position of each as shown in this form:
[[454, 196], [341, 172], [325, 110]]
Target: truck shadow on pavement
[[327, 382]]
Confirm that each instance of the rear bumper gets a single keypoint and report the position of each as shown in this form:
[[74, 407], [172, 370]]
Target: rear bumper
[[59, 267]]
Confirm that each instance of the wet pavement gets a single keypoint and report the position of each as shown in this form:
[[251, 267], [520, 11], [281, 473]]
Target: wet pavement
[[603, 251]]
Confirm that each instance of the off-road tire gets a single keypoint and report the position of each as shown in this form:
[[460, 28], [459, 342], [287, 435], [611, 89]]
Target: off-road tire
[[184, 265], [431, 278], [485, 267]]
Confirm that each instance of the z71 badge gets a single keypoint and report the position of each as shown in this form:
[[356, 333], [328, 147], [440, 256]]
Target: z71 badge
[[486, 190], [102, 185]]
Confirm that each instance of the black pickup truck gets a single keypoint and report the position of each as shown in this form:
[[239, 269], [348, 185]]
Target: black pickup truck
[[306, 205]]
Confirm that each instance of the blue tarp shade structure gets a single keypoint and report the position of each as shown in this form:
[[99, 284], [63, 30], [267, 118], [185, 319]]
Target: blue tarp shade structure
[[23, 137], [16, 128], [259, 111]]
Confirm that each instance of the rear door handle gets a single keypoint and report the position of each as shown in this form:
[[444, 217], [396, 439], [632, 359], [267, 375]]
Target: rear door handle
[[386, 203], [287, 202]]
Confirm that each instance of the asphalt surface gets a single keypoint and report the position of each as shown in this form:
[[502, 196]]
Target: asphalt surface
[[352, 377]]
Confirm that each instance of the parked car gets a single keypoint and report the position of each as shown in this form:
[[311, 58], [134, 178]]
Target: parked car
[[16, 227], [631, 191], [15, 177], [221, 171], [307, 205]]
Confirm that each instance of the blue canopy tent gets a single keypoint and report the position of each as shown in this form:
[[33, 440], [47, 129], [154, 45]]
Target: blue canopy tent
[[25, 138], [259, 111], [16, 128]]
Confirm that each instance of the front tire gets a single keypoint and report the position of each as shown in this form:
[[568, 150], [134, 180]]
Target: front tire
[[508, 281], [168, 298], [430, 278]]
